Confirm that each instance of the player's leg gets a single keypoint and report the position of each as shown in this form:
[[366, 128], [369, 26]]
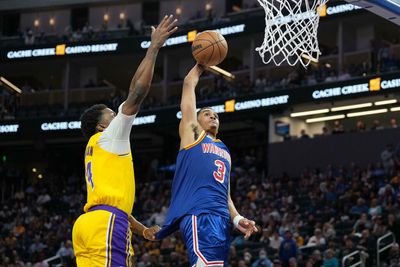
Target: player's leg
[[207, 239], [80, 251], [102, 238]]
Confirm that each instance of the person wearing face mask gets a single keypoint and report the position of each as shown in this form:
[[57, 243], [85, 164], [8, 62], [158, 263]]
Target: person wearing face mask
[[262, 260]]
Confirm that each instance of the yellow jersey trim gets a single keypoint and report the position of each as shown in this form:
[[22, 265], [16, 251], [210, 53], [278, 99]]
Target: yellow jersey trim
[[201, 137]]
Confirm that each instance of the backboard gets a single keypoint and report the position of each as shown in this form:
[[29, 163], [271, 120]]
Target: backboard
[[389, 9]]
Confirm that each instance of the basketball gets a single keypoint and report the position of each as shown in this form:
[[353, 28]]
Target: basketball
[[209, 48]]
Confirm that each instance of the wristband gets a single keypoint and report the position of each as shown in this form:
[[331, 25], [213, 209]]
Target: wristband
[[237, 219]]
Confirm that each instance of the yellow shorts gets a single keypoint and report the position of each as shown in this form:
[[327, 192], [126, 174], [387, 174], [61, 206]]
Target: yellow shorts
[[102, 237]]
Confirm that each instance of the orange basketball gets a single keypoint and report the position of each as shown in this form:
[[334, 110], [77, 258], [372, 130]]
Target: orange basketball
[[209, 48]]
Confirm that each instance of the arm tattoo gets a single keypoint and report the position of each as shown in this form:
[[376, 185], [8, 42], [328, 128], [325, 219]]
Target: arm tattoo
[[136, 95], [195, 130]]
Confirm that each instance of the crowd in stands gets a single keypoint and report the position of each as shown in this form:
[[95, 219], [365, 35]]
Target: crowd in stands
[[125, 28], [311, 220]]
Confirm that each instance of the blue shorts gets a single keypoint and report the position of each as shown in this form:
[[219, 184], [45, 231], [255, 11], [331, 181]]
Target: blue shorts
[[207, 239]]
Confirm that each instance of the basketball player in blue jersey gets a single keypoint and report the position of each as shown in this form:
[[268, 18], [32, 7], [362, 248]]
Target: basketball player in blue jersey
[[201, 206], [102, 235]]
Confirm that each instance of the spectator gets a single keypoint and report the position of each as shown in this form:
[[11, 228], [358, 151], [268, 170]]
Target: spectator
[[304, 135], [29, 38], [329, 259], [362, 223], [261, 81], [344, 75], [349, 246], [262, 260], [293, 262], [387, 159], [66, 253], [393, 123], [360, 126], [317, 239], [277, 263], [299, 239], [337, 128], [359, 208], [325, 131], [316, 258], [376, 125], [367, 244], [375, 209], [287, 249], [275, 241], [331, 78], [328, 231]]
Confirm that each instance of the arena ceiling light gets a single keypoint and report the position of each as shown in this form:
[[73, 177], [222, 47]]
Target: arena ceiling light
[[362, 105], [309, 112], [385, 102], [327, 118], [366, 113], [395, 109]]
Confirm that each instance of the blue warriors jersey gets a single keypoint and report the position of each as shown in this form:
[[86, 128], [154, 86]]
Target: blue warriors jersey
[[200, 183]]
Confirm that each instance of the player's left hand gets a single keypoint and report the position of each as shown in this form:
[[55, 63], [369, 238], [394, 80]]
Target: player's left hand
[[247, 227], [150, 233]]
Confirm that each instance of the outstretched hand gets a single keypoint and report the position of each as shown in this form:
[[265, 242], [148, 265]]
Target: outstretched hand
[[150, 233], [247, 227], [166, 27]]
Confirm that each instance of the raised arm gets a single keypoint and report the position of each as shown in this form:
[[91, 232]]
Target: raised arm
[[141, 81], [189, 128]]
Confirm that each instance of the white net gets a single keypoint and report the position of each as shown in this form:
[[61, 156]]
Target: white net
[[290, 31]]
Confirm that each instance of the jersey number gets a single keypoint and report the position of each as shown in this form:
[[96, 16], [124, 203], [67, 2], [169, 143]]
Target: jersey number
[[219, 175], [89, 174]]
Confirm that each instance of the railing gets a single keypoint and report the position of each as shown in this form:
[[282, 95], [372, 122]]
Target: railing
[[350, 257], [380, 249], [54, 261]]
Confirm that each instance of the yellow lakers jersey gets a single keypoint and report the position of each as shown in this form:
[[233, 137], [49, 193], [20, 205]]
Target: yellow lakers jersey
[[109, 177]]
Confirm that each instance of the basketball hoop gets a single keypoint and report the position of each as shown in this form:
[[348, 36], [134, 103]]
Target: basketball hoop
[[291, 28]]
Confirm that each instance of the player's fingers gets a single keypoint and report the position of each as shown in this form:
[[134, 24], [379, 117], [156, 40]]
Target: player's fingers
[[167, 21], [243, 230], [172, 31], [172, 25], [162, 21], [247, 235], [153, 29]]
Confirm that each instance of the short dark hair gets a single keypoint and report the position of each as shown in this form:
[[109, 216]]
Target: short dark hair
[[90, 118], [204, 108]]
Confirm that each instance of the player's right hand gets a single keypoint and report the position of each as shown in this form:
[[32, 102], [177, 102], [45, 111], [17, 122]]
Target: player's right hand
[[194, 74], [166, 27], [150, 233]]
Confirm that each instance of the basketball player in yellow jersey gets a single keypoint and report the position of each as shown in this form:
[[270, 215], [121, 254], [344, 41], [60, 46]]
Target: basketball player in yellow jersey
[[102, 235]]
